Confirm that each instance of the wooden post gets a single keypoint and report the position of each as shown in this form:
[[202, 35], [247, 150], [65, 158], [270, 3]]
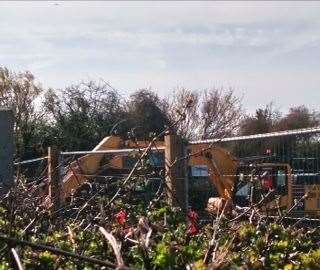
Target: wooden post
[[53, 176], [177, 191]]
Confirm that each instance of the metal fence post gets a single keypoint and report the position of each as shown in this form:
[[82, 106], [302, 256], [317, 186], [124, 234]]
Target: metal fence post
[[6, 150], [53, 177], [175, 171], [186, 174]]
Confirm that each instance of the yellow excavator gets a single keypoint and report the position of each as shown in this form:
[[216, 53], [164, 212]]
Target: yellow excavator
[[225, 172], [244, 183]]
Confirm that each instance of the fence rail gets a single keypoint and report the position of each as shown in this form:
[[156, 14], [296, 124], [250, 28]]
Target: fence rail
[[302, 131], [30, 161], [116, 151]]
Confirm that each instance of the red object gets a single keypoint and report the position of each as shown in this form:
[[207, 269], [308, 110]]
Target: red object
[[192, 226], [121, 217], [267, 182], [192, 215], [192, 229]]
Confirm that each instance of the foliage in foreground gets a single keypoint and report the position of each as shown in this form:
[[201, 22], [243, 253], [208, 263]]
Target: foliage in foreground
[[152, 236]]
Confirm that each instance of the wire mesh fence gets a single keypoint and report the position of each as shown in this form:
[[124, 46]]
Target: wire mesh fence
[[299, 149]]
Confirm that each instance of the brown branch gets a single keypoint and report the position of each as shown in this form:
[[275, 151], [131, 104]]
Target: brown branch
[[17, 259], [115, 246], [57, 251]]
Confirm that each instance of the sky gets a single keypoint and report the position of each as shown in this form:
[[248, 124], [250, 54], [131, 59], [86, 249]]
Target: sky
[[265, 51]]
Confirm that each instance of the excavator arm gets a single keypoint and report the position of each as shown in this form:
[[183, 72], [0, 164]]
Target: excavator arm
[[222, 170], [87, 166], [81, 169], [223, 183]]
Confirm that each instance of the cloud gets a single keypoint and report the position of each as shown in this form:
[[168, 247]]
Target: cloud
[[248, 45]]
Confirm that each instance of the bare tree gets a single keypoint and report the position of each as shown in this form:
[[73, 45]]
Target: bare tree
[[19, 92], [182, 96], [221, 113], [215, 113], [264, 120], [299, 117]]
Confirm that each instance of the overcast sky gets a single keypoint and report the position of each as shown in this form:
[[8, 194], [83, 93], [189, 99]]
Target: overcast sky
[[267, 51]]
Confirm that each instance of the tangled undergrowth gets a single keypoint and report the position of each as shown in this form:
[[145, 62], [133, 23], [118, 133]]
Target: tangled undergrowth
[[132, 233]]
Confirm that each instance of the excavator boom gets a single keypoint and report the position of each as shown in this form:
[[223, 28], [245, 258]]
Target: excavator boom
[[89, 164], [222, 170]]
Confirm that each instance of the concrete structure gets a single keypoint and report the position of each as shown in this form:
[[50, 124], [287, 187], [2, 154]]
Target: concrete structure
[[6, 149]]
